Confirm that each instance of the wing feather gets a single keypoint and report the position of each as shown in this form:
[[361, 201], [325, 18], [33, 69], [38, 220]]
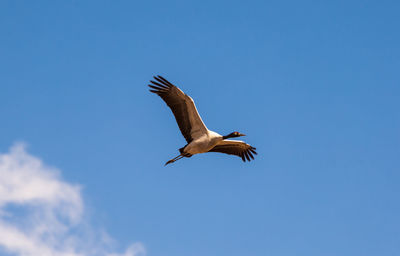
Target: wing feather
[[189, 121], [235, 147]]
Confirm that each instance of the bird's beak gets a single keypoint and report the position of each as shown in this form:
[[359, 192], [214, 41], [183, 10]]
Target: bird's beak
[[241, 134]]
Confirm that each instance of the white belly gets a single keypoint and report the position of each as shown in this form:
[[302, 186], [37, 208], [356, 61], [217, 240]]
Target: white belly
[[203, 144]]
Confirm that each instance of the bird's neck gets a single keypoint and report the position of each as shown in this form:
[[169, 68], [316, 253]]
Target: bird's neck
[[227, 136]]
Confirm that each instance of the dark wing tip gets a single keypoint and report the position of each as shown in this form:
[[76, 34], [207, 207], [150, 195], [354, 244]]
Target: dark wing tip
[[246, 154], [159, 85], [158, 88], [163, 81], [251, 155]]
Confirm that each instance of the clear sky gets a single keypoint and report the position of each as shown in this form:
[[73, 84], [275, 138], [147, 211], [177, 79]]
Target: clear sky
[[315, 85]]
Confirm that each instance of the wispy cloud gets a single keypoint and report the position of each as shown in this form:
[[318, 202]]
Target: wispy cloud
[[40, 214]]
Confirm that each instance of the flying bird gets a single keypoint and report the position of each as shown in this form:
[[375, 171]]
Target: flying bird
[[199, 138]]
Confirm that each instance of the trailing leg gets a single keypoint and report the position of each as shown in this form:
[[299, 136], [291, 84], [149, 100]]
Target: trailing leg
[[174, 159]]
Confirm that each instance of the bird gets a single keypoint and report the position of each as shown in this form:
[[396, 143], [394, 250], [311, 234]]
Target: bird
[[199, 139]]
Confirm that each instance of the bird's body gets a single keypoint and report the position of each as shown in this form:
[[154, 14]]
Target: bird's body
[[199, 138], [204, 143]]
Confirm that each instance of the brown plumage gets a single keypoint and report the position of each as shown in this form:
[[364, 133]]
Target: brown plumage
[[235, 147], [182, 107]]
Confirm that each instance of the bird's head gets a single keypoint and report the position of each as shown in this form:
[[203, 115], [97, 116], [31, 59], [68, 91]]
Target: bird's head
[[234, 135]]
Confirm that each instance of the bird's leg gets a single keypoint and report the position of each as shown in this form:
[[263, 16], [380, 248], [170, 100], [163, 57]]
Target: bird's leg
[[174, 159]]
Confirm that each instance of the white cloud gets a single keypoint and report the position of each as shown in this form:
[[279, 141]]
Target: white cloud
[[42, 215]]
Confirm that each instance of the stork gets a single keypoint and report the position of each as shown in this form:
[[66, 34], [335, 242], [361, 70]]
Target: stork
[[199, 138]]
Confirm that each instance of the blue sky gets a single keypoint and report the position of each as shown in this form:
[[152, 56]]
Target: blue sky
[[314, 85]]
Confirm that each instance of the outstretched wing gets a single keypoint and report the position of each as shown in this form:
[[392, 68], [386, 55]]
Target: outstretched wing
[[182, 106], [235, 147]]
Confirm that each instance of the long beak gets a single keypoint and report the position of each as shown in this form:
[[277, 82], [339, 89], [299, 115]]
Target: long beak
[[241, 134]]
